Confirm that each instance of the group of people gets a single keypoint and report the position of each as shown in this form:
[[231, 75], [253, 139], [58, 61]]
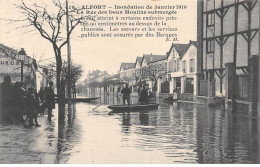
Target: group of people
[[143, 93], [17, 100]]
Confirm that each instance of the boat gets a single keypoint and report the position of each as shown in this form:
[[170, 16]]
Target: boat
[[134, 107], [169, 99]]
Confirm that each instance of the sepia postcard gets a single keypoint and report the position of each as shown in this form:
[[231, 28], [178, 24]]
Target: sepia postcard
[[129, 82]]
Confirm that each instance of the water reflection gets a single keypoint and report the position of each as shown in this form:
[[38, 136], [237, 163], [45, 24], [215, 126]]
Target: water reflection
[[175, 133], [68, 135]]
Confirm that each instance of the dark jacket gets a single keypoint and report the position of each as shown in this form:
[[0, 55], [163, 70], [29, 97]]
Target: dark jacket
[[7, 95], [144, 96], [50, 97], [126, 91], [30, 104], [20, 98]]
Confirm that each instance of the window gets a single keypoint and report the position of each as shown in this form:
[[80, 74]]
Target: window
[[178, 64], [174, 65], [210, 19], [210, 46], [191, 65], [6, 62], [2, 62], [184, 66], [12, 62]]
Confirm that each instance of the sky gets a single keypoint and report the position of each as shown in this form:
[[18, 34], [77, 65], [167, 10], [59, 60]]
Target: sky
[[105, 54]]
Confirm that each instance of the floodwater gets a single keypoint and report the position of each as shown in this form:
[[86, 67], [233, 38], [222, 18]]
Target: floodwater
[[175, 133]]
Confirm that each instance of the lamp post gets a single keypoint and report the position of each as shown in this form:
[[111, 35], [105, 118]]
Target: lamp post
[[21, 57]]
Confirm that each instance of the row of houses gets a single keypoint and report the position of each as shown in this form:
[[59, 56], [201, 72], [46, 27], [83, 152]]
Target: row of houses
[[160, 73], [222, 66], [164, 73]]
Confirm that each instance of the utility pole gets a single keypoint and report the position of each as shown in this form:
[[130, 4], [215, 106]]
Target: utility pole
[[69, 55], [233, 103]]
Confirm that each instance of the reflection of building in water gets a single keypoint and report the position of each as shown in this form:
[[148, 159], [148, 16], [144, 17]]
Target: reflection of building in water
[[144, 118], [222, 138], [228, 31]]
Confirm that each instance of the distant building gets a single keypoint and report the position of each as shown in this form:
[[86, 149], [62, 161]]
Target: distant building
[[10, 65], [95, 80], [127, 71], [154, 70]]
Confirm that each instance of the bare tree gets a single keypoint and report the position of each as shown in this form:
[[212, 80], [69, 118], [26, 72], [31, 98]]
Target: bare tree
[[153, 72], [75, 74], [51, 26]]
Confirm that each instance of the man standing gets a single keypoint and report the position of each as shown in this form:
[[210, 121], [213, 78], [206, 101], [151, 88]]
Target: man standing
[[144, 97], [126, 91], [50, 99]]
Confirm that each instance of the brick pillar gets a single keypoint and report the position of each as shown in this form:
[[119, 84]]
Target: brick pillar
[[229, 74], [253, 68], [211, 84]]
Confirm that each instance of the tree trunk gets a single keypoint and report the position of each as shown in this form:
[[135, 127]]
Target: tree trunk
[[60, 83]]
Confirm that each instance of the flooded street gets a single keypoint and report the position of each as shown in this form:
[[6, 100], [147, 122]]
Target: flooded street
[[175, 133], [178, 133]]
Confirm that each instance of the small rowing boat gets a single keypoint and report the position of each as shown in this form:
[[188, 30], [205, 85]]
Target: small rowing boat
[[134, 107]]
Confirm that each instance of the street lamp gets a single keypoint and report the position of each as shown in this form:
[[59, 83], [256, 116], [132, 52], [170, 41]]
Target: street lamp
[[21, 57]]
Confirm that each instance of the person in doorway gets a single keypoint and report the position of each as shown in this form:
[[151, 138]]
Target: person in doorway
[[144, 97], [126, 91], [50, 99]]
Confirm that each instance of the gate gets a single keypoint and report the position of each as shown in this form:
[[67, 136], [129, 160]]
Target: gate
[[203, 88], [189, 85], [242, 87]]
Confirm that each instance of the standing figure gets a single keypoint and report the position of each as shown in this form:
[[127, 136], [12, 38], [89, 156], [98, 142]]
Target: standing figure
[[144, 98], [126, 91], [19, 97], [6, 99], [31, 107], [50, 99]]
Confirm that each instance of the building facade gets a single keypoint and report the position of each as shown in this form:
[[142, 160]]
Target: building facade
[[182, 68], [228, 51], [11, 65]]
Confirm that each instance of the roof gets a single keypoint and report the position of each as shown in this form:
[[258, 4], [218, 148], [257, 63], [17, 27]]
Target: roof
[[139, 60], [181, 48], [95, 73], [150, 58], [11, 53], [127, 66]]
